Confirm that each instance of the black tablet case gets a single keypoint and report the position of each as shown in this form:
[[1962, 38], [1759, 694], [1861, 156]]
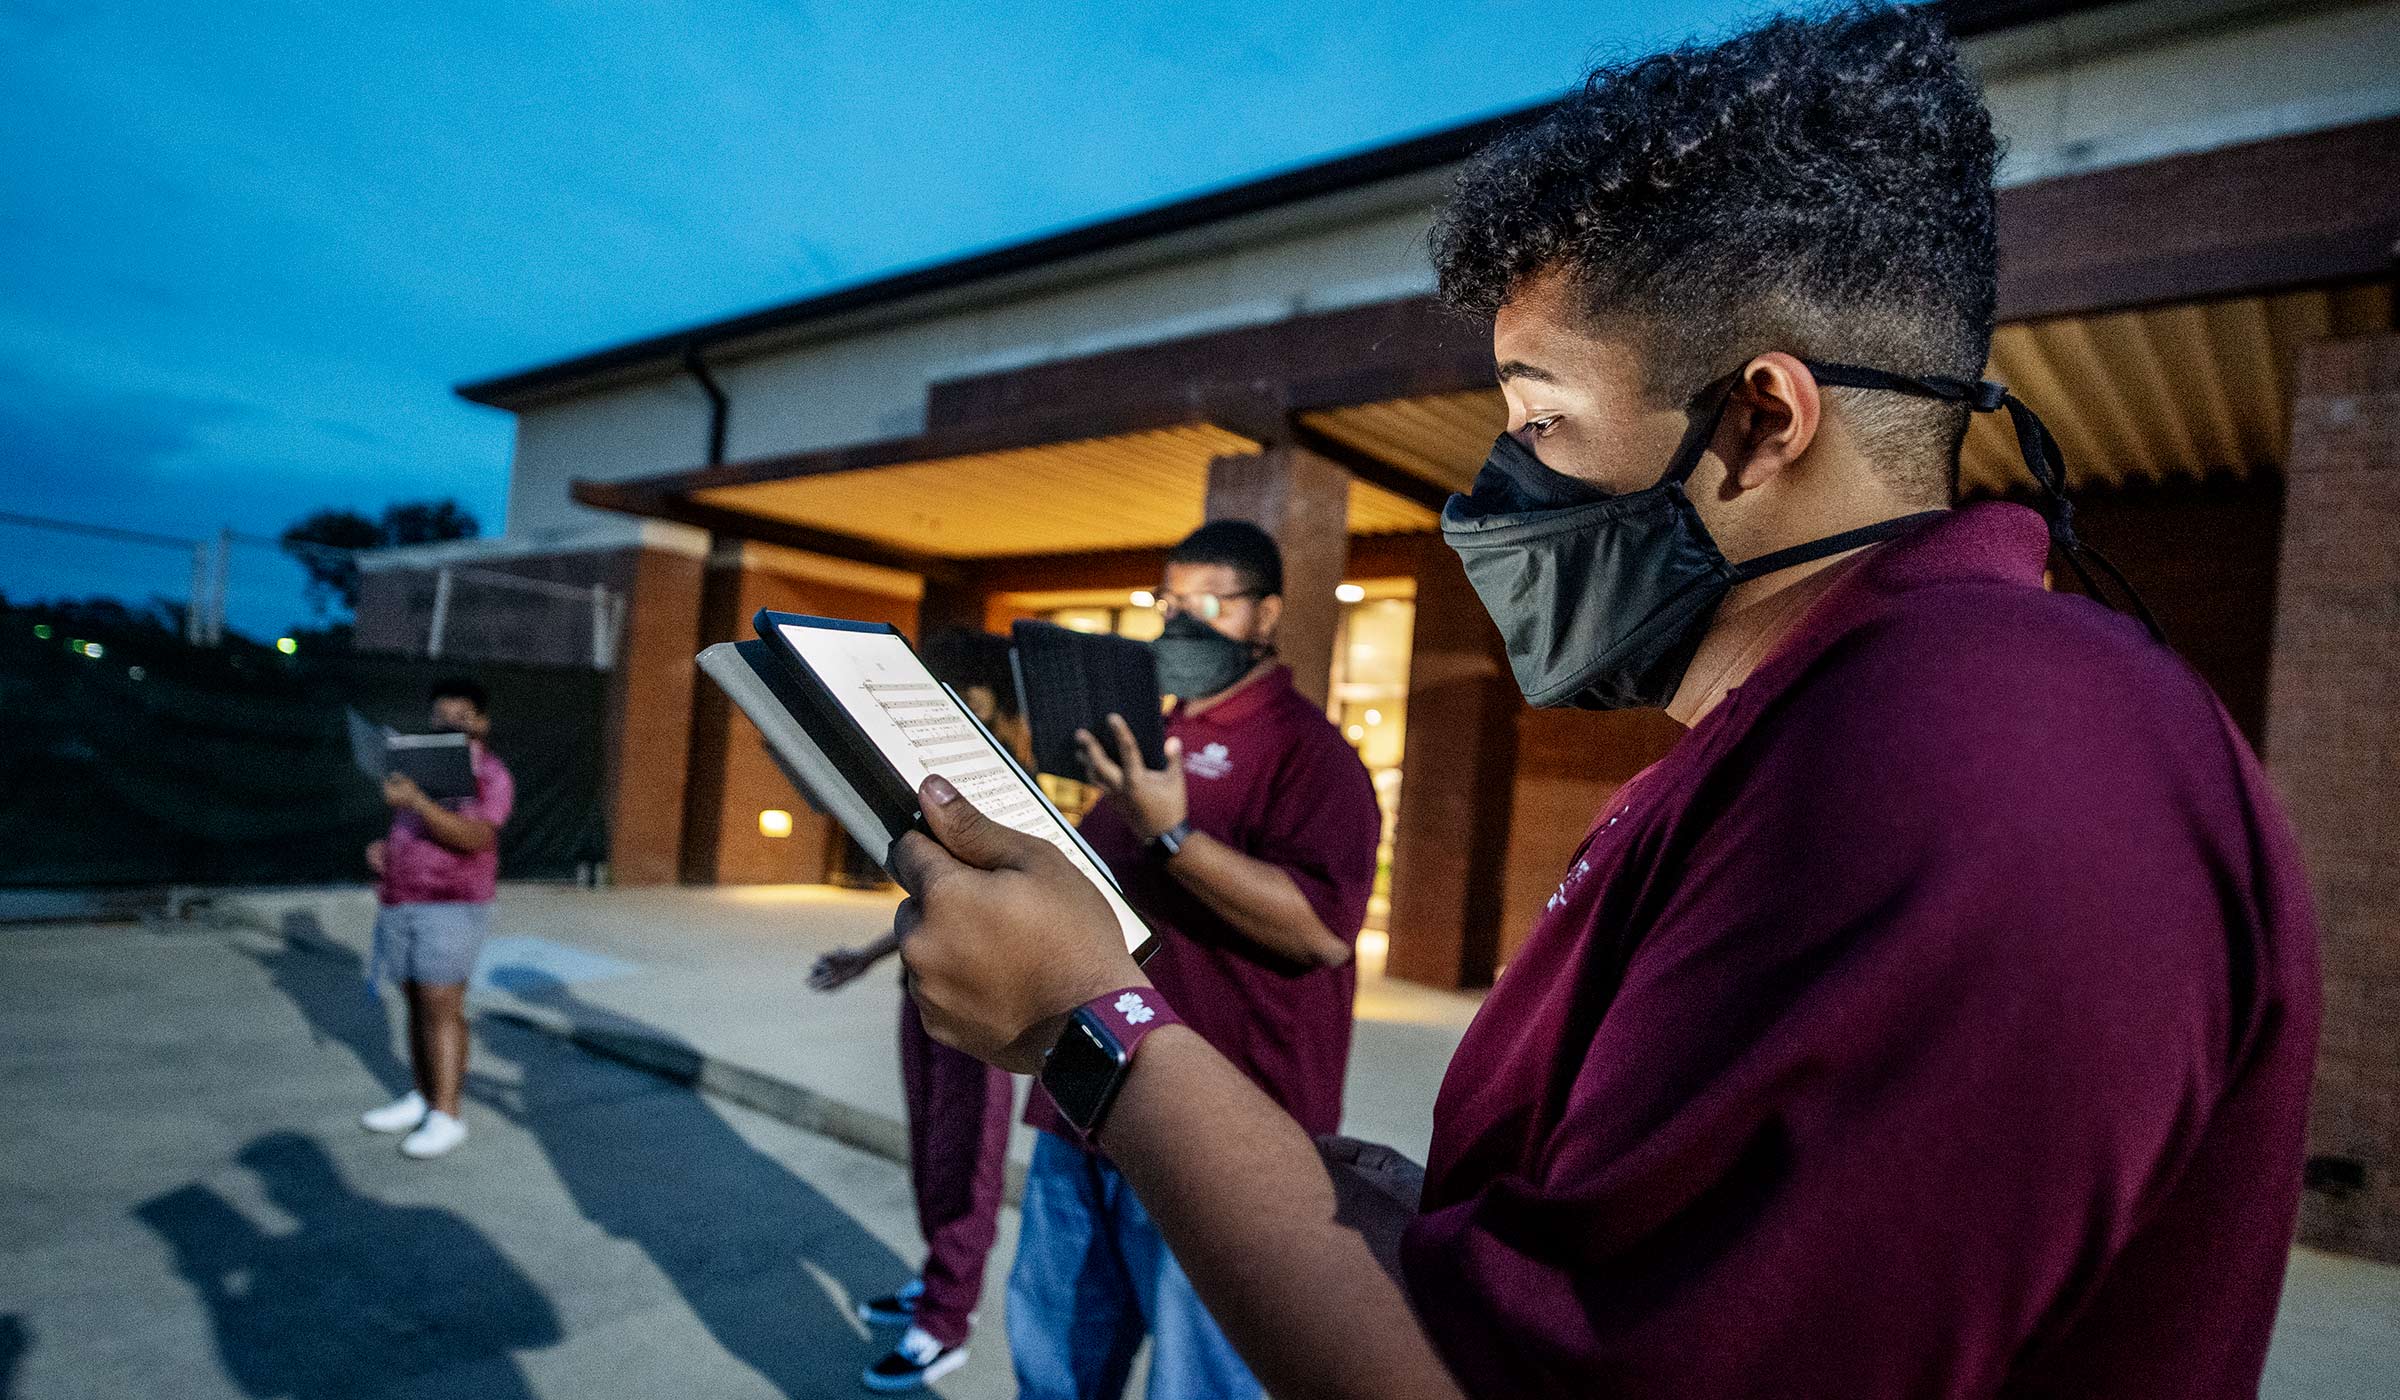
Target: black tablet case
[[438, 763], [1069, 680]]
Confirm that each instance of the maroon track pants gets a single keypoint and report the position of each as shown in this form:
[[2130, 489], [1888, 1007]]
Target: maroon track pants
[[957, 1151]]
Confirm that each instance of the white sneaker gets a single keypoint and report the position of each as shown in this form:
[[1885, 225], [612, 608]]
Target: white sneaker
[[917, 1362], [398, 1116], [439, 1133]]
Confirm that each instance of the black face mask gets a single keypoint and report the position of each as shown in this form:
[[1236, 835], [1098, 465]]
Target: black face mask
[[1196, 660], [1602, 599]]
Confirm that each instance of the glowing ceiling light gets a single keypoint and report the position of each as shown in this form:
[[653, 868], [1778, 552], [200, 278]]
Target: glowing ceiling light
[[1350, 593], [1144, 598], [775, 822]]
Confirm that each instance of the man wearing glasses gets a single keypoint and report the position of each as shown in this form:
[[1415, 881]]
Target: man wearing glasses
[[1252, 852]]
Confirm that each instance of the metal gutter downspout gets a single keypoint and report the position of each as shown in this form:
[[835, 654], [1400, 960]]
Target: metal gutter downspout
[[718, 405]]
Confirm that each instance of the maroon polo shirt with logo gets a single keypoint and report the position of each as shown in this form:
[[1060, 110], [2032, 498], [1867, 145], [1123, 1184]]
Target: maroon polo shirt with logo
[[1935, 1020], [1267, 774]]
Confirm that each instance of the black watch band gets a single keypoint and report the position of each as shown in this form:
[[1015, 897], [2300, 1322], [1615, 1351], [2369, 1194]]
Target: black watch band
[[1169, 843]]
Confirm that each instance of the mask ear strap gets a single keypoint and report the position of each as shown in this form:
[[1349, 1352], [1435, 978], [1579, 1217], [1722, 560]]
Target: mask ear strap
[[1702, 432], [2042, 458]]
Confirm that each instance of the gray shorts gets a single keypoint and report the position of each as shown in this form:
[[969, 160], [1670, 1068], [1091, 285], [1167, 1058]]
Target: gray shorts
[[431, 943]]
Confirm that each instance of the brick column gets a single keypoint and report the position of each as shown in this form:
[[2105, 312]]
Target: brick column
[[1302, 500], [650, 718], [720, 620], [1456, 777], [2333, 737]]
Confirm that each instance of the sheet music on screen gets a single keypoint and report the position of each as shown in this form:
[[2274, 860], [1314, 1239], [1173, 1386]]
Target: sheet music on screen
[[909, 717]]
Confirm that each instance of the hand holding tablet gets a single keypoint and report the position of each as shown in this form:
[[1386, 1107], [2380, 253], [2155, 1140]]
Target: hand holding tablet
[[1002, 935]]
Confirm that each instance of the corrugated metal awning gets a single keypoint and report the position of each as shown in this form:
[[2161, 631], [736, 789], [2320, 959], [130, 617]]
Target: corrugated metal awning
[[2189, 391]]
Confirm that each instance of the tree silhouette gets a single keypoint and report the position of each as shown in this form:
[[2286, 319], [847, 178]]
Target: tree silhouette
[[326, 543]]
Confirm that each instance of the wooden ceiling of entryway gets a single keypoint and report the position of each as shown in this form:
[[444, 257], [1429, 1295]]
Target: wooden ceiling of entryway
[[2193, 390], [1127, 491]]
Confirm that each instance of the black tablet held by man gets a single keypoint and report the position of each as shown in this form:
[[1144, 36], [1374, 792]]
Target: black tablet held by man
[[1069, 680]]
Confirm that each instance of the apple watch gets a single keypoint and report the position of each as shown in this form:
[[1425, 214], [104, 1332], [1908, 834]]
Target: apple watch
[[1085, 1069], [1169, 843]]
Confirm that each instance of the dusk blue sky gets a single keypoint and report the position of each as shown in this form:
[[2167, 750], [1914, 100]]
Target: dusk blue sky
[[246, 249]]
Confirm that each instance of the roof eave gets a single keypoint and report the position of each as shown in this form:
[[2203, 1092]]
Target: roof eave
[[653, 355]]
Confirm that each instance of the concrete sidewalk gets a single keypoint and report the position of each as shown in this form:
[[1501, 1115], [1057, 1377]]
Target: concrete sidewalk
[[188, 1208], [712, 985]]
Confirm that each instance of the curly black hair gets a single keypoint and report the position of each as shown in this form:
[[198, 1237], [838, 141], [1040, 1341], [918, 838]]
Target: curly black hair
[[1820, 185]]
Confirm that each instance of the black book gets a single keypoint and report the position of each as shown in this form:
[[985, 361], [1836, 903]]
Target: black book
[[1069, 680]]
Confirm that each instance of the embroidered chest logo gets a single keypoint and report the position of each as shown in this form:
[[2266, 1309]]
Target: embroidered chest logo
[[1210, 762], [1583, 864], [1566, 888]]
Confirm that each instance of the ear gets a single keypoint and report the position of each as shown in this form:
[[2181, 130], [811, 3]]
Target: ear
[[1772, 419], [1270, 617]]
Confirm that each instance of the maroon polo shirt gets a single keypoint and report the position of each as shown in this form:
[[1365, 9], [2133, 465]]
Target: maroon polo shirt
[[1936, 1019], [1267, 774]]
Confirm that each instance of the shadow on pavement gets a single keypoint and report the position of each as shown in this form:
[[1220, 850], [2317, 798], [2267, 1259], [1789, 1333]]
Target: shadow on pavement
[[16, 1339], [328, 982], [763, 1259], [361, 1296]]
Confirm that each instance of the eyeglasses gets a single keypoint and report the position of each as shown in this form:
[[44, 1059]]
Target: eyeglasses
[[1208, 607]]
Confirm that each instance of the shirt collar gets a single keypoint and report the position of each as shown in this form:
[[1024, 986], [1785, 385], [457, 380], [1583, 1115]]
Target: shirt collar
[[1243, 704], [1988, 542]]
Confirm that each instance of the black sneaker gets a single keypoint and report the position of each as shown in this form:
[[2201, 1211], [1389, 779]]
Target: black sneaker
[[917, 1362], [895, 1309]]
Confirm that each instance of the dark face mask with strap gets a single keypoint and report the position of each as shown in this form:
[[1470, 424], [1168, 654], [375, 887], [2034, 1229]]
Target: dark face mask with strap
[[1602, 599]]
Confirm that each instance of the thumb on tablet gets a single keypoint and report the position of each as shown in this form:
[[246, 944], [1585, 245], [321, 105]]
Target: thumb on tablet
[[968, 834]]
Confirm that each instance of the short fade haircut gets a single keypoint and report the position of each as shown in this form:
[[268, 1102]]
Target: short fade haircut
[[465, 688], [1819, 185], [1239, 546]]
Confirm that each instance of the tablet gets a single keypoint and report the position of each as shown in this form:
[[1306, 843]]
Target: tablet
[[880, 724], [1069, 680], [442, 765]]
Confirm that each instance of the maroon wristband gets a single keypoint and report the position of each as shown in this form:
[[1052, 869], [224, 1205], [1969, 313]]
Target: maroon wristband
[[1084, 1071], [1131, 1013]]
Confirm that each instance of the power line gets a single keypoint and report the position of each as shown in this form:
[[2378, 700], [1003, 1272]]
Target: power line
[[106, 532]]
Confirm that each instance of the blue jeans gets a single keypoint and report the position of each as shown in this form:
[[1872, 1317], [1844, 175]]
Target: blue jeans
[[1091, 1276]]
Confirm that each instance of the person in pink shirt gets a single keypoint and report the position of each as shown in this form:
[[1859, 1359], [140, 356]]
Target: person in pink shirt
[[439, 868]]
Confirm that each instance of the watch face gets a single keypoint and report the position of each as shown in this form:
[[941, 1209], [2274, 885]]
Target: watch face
[[1083, 1069]]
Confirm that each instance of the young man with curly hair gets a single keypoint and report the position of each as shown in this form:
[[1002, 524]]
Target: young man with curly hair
[[1936, 1018]]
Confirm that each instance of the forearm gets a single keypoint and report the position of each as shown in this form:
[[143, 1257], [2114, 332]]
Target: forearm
[[1259, 899], [1242, 1197], [465, 835]]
